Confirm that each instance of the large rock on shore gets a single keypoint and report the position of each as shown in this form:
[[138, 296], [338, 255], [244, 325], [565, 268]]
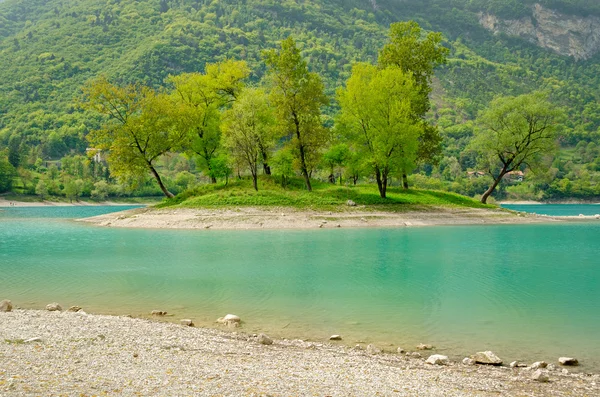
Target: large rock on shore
[[438, 359], [6, 306], [230, 320], [487, 358], [540, 376], [568, 361]]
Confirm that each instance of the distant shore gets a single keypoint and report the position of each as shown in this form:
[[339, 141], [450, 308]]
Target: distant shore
[[289, 218], [68, 353], [46, 203]]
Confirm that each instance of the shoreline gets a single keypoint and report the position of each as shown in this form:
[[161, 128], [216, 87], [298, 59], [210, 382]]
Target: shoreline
[[84, 353], [4, 203], [272, 218]]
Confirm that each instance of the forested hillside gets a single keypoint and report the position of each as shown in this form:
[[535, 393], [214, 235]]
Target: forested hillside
[[49, 49]]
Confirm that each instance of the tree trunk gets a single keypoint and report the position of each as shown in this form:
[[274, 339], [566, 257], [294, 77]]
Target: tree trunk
[[380, 185], [266, 169], [160, 182], [303, 167], [404, 180], [491, 189]]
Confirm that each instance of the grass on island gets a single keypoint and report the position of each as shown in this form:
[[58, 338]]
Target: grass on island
[[324, 196]]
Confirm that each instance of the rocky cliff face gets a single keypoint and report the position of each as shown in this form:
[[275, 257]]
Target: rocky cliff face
[[578, 37]]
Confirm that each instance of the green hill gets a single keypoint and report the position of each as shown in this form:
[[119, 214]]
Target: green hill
[[50, 48]]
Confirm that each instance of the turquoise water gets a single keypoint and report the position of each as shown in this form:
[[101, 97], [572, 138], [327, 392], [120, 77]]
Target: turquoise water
[[527, 292], [556, 209]]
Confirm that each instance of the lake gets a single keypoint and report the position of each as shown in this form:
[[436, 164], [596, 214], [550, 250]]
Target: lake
[[556, 209], [528, 292]]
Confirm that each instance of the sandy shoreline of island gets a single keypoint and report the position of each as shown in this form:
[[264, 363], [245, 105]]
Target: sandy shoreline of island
[[75, 353], [246, 218]]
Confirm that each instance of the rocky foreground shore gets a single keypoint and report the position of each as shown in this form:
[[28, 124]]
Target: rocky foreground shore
[[51, 353]]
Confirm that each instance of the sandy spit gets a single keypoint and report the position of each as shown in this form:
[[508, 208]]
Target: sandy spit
[[77, 354], [286, 218]]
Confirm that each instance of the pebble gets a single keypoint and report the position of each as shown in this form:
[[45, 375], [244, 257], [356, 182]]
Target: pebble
[[422, 346], [158, 313], [186, 322], [53, 307], [468, 361], [335, 337], [401, 350], [487, 358], [539, 364], [74, 309], [264, 339]]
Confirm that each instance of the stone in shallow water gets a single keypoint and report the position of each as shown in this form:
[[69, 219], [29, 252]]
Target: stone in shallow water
[[335, 337], [422, 346], [570, 361], [438, 359], [53, 307], [158, 313], [74, 309], [487, 358], [6, 306], [187, 322]]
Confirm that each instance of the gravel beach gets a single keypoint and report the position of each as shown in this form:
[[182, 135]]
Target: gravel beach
[[78, 354]]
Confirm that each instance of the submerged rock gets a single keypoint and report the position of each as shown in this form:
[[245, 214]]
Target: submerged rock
[[6, 306], [437, 359], [422, 346], [158, 313], [568, 361], [487, 358], [53, 307]]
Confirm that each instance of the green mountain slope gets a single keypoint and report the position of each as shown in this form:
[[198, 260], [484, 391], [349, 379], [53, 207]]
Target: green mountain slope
[[50, 48]]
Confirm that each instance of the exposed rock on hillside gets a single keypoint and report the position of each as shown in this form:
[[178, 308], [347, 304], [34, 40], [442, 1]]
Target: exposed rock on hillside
[[569, 35]]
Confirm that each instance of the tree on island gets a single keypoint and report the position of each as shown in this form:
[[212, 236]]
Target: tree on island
[[203, 97], [141, 126], [376, 113], [418, 55], [248, 130], [298, 96], [515, 132]]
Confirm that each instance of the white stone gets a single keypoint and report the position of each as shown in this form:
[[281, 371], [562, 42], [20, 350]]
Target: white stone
[[539, 364], [401, 350], [37, 339], [437, 359], [422, 346], [335, 337], [569, 361], [372, 349], [350, 203], [53, 307], [74, 309], [540, 376], [187, 322], [486, 357], [468, 361], [264, 339], [6, 306]]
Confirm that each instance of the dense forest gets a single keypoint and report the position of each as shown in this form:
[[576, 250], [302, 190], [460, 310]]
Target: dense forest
[[50, 50]]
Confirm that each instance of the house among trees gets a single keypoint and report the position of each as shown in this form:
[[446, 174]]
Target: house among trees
[[515, 176], [96, 155], [475, 174]]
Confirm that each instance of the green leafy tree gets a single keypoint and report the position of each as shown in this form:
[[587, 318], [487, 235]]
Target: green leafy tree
[[515, 132], [101, 190], [298, 96], [335, 159], [41, 189], [142, 125], [249, 130], [418, 54], [203, 96], [283, 164], [7, 173], [376, 114]]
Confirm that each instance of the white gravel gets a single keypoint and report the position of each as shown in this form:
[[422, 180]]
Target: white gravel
[[82, 354]]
